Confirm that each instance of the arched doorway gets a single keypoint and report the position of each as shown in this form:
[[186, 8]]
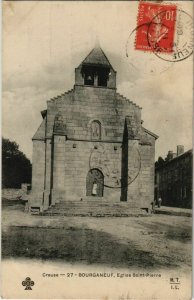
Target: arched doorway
[[95, 183]]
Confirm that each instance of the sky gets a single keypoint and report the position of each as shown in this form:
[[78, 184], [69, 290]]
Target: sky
[[43, 42]]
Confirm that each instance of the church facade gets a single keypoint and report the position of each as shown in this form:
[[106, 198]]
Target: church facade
[[91, 144]]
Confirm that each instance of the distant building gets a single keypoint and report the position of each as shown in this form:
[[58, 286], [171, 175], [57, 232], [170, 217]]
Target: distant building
[[173, 179]]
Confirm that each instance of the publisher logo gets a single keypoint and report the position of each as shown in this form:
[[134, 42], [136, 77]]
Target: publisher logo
[[28, 283]]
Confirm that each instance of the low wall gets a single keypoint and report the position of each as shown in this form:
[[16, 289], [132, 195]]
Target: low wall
[[13, 194]]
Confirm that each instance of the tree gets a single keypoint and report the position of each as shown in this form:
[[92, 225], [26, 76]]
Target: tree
[[16, 167]]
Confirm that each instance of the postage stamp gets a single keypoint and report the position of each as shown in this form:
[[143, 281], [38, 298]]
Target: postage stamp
[[155, 27], [182, 46]]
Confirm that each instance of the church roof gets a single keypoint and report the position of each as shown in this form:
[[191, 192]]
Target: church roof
[[151, 133], [97, 57], [40, 133]]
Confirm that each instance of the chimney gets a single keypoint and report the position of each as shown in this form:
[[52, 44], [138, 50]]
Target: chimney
[[180, 150], [169, 155]]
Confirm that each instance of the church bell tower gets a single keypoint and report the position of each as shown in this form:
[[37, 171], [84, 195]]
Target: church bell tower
[[96, 71]]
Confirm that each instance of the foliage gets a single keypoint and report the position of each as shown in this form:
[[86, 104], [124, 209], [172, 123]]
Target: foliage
[[16, 167]]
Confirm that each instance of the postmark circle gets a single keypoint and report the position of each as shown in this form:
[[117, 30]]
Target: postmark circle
[[144, 62], [182, 44], [113, 177]]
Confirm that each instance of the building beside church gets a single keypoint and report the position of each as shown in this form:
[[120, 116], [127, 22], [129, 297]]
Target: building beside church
[[173, 179], [91, 147]]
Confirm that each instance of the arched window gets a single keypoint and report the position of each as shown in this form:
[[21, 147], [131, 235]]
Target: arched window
[[96, 130]]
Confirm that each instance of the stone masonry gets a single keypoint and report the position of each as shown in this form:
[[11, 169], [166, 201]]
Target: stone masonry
[[91, 144]]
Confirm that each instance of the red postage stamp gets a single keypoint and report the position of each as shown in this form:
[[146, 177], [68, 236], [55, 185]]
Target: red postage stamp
[[155, 27]]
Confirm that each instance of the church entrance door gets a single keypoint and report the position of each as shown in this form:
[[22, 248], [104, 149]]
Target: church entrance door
[[95, 183]]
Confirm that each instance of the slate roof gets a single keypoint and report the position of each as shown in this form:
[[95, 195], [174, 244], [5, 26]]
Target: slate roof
[[97, 57], [188, 152]]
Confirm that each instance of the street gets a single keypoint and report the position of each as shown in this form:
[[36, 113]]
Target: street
[[153, 242]]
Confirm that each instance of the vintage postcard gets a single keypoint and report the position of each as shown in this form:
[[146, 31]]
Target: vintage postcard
[[97, 150]]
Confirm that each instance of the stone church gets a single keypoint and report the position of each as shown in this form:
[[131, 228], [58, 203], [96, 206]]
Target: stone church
[[91, 154]]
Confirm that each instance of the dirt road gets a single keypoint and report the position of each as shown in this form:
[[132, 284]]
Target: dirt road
[[153, 242]]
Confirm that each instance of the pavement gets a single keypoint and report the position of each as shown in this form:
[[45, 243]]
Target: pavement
[[174, 211]]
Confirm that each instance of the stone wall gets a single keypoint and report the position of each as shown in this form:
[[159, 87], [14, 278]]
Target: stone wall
[[146, 183], [12, 194], [38, 173], [61, 162], [84, 104], [75, 163], [74, 159]]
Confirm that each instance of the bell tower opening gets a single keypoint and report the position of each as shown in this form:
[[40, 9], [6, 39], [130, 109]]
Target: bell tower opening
[[103, 74], [96, 71], [95, 76], [88, 74]]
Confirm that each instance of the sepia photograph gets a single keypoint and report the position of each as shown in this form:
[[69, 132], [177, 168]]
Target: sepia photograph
[[97, 158]]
